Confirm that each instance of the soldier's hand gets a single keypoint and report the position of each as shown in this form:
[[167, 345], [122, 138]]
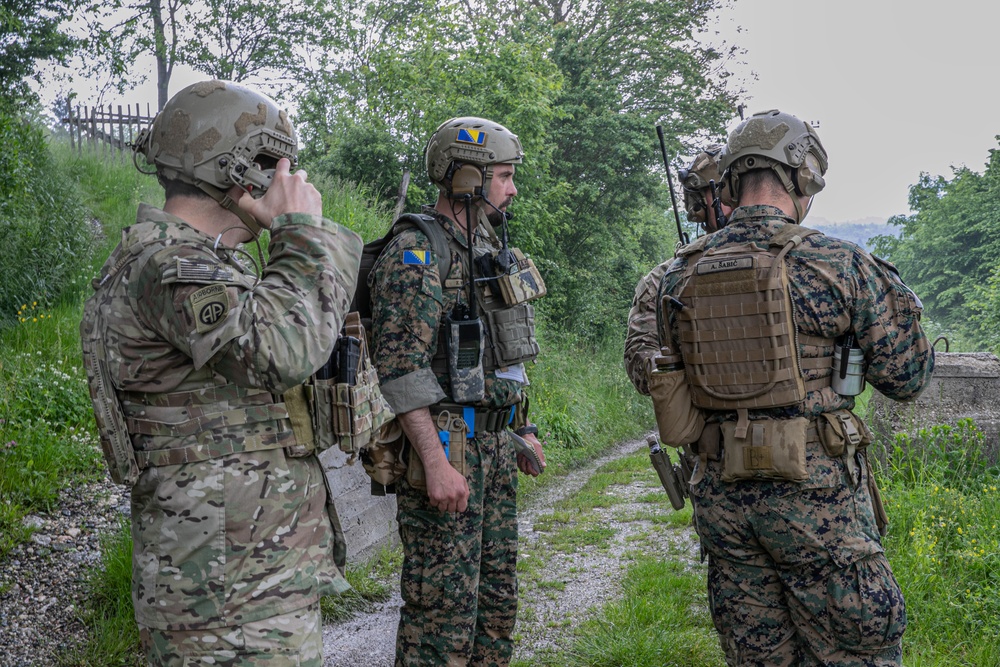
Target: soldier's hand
[[447, 489], [525, 464], [288, 193]]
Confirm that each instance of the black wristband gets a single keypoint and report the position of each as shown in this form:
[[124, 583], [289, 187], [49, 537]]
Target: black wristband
[[530, 429]]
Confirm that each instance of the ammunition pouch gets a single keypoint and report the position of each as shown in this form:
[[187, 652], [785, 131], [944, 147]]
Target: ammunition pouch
[[512, 336], [678, 420], [765, 450], [346, 414]]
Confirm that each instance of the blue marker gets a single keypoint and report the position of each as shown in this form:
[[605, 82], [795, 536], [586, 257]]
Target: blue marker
[[445, 440]]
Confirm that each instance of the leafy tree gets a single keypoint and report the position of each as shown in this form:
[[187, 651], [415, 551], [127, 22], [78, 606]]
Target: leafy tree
[[949, 247], [239, 39], [29, 32]]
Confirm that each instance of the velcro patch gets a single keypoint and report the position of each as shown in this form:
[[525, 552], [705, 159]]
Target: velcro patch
[[201, 271], [422, 257], [717, 265], [210, 306]]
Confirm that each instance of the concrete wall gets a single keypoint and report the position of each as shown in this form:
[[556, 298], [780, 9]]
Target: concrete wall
[[369, 521], [963, 385]]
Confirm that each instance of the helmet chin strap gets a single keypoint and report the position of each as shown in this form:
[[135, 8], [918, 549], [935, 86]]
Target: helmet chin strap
[[226, 202], [790, 188]]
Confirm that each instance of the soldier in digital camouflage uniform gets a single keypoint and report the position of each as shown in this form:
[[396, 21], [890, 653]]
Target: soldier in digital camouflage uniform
[[459, 534], [642, 341], [190, 356], [797, 572]]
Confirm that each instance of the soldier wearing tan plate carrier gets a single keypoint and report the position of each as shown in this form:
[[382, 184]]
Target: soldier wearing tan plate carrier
[[768, 330], [201, 369]]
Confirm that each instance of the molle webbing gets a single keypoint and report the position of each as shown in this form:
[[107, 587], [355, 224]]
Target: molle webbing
[[204, 424], [737, 329]]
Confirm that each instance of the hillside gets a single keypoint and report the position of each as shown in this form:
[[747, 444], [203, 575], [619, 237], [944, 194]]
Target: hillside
[[857, 231]]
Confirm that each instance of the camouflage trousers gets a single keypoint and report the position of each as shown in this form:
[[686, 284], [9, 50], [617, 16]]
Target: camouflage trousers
[[294, 639], [797, 575], [458, 582]]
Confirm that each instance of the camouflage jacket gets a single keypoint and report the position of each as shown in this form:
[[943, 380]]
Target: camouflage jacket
[[836, 287], [642, 341], [409, 304], [228, 527]]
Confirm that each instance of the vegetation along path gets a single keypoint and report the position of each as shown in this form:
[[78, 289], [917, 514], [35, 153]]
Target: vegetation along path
[[578, 536]]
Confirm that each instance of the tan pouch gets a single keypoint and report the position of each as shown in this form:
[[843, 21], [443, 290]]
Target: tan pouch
[[679, 422], [773, 449], [840, 429], [524, 283], [382, 459], [457, 429]]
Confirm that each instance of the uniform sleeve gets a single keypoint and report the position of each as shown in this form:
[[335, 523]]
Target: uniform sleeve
[[887, 320], [642, 339], [270, 334], [407, 307]]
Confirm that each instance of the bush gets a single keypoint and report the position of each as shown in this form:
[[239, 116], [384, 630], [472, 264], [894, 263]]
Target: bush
[[43, 225]]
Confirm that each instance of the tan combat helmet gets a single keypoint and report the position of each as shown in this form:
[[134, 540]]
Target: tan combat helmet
[[778, 141], [695, 179], [462, 151], [216, 134]]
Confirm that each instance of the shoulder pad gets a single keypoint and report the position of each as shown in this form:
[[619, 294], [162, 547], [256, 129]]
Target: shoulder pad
[[887, 264]]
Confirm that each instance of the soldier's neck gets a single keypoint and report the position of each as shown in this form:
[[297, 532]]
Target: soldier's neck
[[209, 218]]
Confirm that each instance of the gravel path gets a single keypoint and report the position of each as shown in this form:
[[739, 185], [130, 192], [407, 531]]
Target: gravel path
[[583, 580], [42, 581]]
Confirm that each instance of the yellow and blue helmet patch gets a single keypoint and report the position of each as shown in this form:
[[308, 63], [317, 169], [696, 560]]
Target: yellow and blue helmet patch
[[468, 136], [422, 257]]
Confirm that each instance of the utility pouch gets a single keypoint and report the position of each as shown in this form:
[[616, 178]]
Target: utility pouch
[[453, 432], [842, 429], [771, 449], [522, 282], [679, 421], [464, 343], [383, 459]]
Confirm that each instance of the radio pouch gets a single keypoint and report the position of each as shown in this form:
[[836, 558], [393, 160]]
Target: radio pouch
[[678, 420]]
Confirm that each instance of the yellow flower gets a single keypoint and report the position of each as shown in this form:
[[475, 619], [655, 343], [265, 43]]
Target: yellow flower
[[959, 530]]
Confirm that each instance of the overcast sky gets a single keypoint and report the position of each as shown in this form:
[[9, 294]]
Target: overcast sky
[[897, 87]]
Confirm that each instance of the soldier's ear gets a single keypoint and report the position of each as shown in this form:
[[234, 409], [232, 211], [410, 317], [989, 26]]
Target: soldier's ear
[[467, 180]]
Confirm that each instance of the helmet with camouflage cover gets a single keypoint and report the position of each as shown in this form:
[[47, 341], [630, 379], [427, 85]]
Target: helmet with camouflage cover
[[695, 179], [780, 142], [216, 134], [462, 151]]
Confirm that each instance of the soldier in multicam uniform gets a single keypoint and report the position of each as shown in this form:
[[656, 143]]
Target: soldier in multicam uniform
[[193, 362], [459, 531], [783, 497], [642, 341]]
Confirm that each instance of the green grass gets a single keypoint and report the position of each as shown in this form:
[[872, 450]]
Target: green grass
[[943, 501]]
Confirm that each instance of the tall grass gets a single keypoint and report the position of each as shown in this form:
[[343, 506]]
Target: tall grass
[[943, 500]]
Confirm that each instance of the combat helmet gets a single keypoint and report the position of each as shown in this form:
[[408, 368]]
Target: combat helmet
[[778, 141], [216, 134], [462, 151], [695, 178]]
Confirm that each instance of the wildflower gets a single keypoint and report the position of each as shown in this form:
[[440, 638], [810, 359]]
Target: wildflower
[[959, 530]]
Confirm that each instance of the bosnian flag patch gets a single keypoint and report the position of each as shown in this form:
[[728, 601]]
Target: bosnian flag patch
[[416, 257], [469, 136]]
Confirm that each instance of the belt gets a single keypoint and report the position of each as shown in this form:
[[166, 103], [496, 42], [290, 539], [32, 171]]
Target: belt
[[491, 421]]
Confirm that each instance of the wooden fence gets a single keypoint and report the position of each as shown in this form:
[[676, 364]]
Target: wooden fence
[[105, 130]]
